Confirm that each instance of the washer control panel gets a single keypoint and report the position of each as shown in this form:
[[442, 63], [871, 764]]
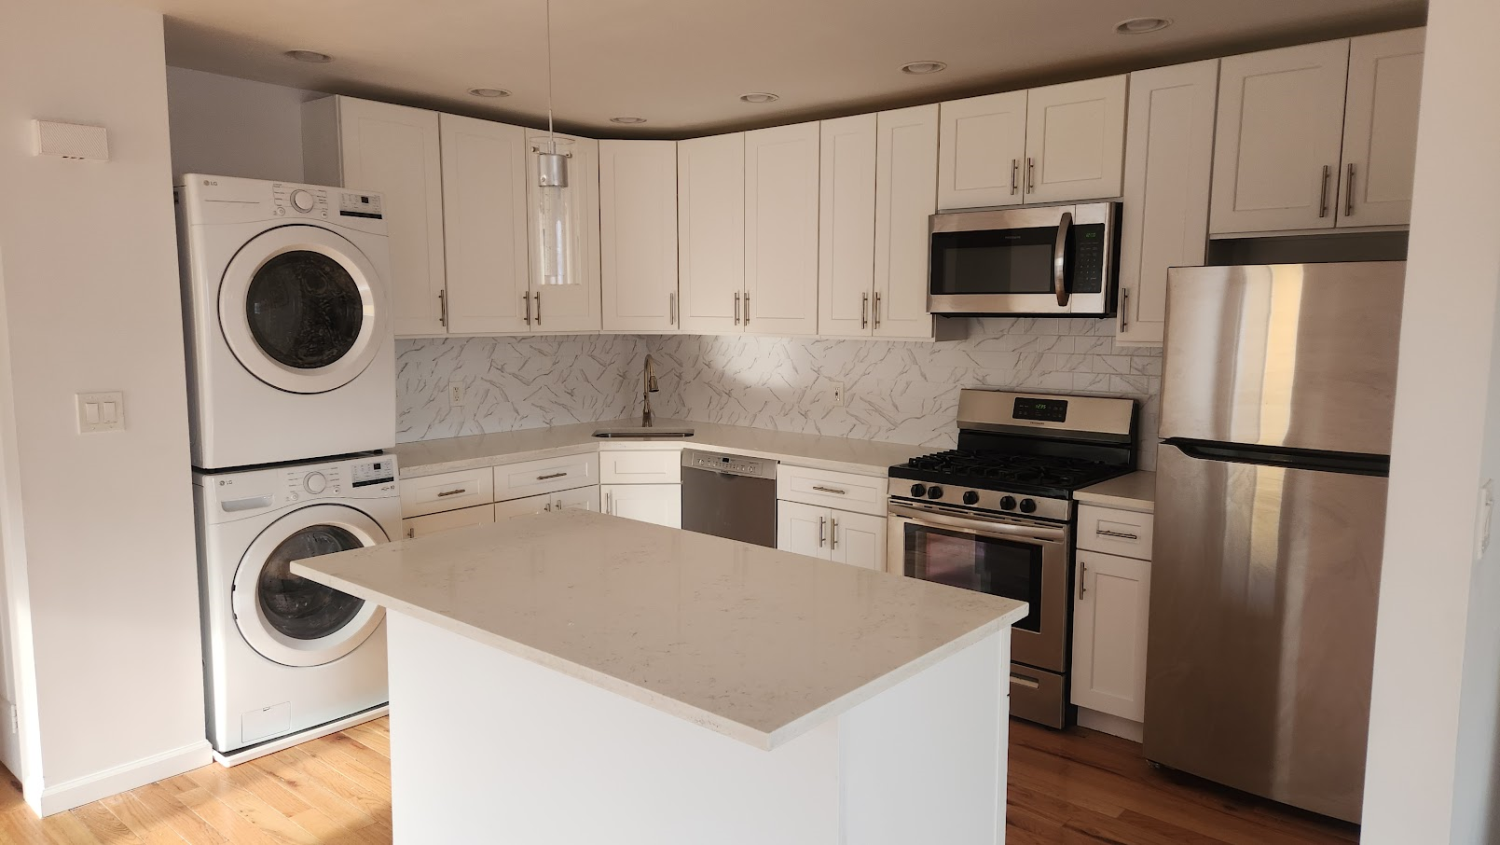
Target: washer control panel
[[299, 201], [360, 205], [236, 495]]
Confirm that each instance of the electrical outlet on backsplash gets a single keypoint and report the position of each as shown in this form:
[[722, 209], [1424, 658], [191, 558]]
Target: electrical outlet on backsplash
[[894, 391]]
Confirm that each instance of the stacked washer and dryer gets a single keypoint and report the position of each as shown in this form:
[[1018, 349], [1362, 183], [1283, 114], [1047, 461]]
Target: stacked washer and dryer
[[291, 382]]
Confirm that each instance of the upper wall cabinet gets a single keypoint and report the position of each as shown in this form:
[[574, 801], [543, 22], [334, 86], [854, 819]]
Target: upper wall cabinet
[[846, 227], [781, 230], [711, 233], [638, 235], [394, 150], [1284, 131], [1054, 144], [1168, 165], [484, 218], [571, 308]]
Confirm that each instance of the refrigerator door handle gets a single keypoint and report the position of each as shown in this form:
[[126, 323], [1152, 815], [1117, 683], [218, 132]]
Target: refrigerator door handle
[[1245, 453]]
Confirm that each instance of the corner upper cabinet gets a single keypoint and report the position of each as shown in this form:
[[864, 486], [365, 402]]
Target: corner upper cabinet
[[1279, 132], [1168, 167], [395, 150], [638, 235], [711, 233], [781, 230], [982, 151], [1075, 140], [1380, 128], [571, 308], [485, 225]]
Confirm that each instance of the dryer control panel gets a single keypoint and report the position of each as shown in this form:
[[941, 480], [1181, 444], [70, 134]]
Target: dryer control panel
[[239, 494], [299, 200]]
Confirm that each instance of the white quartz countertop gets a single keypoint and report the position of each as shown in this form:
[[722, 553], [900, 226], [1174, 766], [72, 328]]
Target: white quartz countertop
[[1133, 492], [754, 643], [843, 454]]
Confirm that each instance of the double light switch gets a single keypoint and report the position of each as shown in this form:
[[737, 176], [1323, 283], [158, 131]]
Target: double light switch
[[101, 412]]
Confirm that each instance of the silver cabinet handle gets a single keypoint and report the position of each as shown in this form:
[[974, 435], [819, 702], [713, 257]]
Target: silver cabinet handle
[[1323, 192], [526, 301], [411, 533], [550, 476], [547, 507], [1124, 309], [821, 489], [1060, 258], [1015, 176], [609, 502], [1349, 191], [1024, 681], [1104, 532], [1083, 572], [864, 311], [538, 307], [1030, 175], [822, 531], [877, 309], [443, 302], [672, 308], [736, 308], [443, 494], [834, 544], [747, 307]]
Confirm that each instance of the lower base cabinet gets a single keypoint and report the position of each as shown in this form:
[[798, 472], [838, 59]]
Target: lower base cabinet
[[831, 534], [421, 526], [1110, 611], [583, 498], [656, 503]]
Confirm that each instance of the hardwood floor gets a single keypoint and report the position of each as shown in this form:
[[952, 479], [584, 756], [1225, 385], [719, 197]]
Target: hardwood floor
[[1077, 787]]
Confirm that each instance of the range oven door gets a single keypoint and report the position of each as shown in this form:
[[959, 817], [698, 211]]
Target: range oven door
[[1057, 260], [1018, 559]]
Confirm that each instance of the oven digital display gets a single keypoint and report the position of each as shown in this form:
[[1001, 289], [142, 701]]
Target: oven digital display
[[1045, 410]]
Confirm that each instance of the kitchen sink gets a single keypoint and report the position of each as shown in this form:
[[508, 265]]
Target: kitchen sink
[[644, 433]]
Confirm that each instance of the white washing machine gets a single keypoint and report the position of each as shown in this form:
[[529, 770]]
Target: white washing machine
[[290, 348], [287, 659]]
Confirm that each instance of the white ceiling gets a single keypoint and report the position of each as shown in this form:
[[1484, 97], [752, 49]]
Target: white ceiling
[[682, 64]]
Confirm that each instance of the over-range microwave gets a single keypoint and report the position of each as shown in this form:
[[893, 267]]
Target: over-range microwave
[[1055, 260]]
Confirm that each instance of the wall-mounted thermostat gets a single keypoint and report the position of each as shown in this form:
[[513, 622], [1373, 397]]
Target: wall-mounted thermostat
[[71, 140]]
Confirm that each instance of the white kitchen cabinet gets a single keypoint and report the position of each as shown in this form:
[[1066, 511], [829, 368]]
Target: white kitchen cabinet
[[447, 491], [781, 230], [1380, 128], [657, 503], [982, 151], [711, 233], [572, 308], [1169, 165], [830, 534], [846, 226], [638, 235], [640, 466], [421, 526], [582, 498], [1109, 634], [906, 179], [1075, 140], [396, 151], [802, 529], [484, 224], [546, 475], [1279, 132]]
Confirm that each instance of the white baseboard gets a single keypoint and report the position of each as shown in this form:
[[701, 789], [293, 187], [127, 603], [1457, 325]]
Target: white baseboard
[[123, 778], [1110, 724], [245, 755]]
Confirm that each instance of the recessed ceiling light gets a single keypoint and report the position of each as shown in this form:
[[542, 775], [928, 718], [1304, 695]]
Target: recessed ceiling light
[[920, 68], [627, 120], [311, 56], [1141, 26], [491, 93], [759, 97]]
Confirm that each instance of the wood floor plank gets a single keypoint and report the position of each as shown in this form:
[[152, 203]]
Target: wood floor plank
[[145, 822], [376, 740], [376, 802], [188, 824], [67, 829], [105, 827], [224, 819], [20, 826], [345, 813]]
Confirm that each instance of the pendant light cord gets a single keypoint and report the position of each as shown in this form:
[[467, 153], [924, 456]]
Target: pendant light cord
[[551, 135]]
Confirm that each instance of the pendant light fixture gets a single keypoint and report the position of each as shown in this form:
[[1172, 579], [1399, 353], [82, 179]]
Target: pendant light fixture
[[555, 236]]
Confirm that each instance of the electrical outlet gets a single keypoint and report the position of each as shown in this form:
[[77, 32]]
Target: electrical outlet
[[840, 395], [456, 394]]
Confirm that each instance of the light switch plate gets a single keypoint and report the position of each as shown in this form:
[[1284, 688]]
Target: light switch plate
[[101, 412]]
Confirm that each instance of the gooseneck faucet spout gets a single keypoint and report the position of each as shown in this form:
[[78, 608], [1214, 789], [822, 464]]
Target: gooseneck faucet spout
[[649, 388]]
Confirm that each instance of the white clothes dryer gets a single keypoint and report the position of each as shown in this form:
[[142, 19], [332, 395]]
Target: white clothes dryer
[[287, 659], [290, 350]]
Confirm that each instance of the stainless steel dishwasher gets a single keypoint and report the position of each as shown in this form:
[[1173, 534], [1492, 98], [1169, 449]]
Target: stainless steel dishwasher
[[729, 496]]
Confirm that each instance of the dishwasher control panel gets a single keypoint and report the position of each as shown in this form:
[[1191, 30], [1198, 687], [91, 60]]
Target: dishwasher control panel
[[729, 464]]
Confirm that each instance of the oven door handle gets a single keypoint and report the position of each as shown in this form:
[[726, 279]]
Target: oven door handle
[[997, 530], [1060, 259]]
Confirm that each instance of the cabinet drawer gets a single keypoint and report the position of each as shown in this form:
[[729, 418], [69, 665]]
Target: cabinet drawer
[[421, 526], [655, 466], [447, 492], [842, 490], [1124, 533], [532, 478]]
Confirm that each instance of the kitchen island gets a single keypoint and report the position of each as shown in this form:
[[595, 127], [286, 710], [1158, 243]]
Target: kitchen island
[[574, 677]]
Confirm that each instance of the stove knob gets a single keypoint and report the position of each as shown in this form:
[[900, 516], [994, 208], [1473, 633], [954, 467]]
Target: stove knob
[[918, 491], [1007, 503], [1028, 506], [934, 492], [971, 498]]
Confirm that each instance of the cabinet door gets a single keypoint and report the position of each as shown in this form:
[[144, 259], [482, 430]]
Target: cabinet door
[[857, 539], [638, 235], [1075, 140], [421, 526], [396, 150], [1380, 128], [802, 529], [1279, 130], [846, 226], [1109, 635], [711, 233], [484, 221], [523, 507], [584, 498], [568, 309], [657, 503], [781, 230], [1169, 162], [905, 197], [981, 149]]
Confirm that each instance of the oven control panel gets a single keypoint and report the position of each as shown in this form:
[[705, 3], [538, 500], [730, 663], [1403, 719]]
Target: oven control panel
[[926, 494]]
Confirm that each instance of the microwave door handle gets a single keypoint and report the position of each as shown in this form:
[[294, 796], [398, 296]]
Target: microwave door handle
[[980, 528], [1060, 259]]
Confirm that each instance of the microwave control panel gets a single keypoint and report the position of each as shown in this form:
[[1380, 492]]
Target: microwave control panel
[[1088, 258]]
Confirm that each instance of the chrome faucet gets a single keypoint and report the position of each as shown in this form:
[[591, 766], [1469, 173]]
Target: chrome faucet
[[650, 388]]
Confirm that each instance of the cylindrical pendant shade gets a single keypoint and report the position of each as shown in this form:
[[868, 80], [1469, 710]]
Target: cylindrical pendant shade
[[555, 231]]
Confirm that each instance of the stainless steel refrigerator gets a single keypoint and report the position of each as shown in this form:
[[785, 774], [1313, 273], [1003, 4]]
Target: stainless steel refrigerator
[[1277, 399]]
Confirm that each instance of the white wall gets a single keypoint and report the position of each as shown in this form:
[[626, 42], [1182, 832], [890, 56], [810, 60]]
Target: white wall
[[235, 127], [106, 562], [1432, 759]]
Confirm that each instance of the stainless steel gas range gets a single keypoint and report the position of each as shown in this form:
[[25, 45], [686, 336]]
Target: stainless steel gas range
[[997, 515]]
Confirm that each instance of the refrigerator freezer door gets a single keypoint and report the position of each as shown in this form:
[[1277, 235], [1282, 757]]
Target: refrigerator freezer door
[[1299, 356], [1263, 594]]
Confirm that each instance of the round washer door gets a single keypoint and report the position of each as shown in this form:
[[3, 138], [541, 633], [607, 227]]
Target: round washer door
[[300, 309], [289, 619]]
